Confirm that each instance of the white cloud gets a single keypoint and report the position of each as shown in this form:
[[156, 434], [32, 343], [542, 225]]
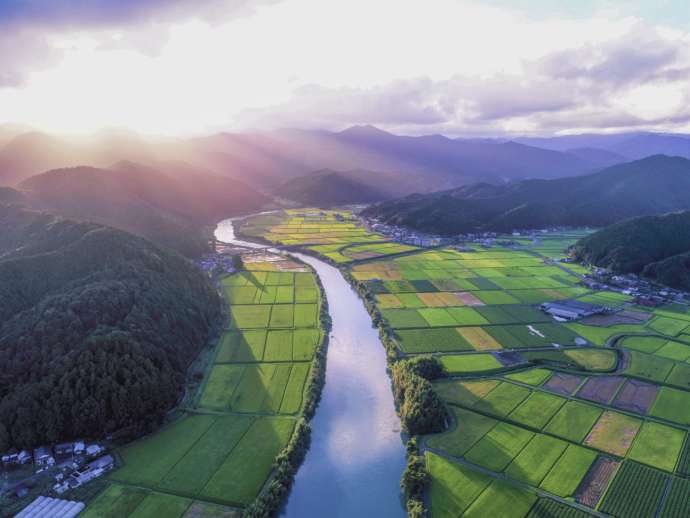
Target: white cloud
[[458, 67]]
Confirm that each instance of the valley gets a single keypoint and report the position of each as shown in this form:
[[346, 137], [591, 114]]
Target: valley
[[499, 405], [564, 418], [306, 259]]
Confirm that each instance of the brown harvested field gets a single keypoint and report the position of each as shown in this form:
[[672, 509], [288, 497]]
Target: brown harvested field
[[553, 293], [636, 396], [613, 433], [431, 300], [449, 299], [600, 389], [478, 338], [595, 482], [468, 299], [562, 383], [361, 255], [290, 266], [622, 317]]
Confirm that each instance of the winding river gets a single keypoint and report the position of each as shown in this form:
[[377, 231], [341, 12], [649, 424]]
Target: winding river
[[356, 458]]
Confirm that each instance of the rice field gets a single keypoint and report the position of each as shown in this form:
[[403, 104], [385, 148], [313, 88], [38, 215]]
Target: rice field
[[224, 458], [216, 456], [118, 501], [562, 422], [535, 404]]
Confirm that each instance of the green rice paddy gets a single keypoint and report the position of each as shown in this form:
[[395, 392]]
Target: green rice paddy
[[216, 456], [536, 430]]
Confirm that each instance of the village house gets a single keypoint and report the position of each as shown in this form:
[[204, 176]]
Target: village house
[[43, 456], [64, 449]]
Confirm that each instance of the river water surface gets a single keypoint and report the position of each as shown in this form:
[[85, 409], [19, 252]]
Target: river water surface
[[356, 457]]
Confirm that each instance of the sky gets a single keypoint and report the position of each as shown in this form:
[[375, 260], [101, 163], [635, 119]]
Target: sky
[[456, 67]]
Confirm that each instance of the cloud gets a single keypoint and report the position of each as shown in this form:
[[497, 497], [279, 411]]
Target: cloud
[[108, 13], [32, 32], [460, 68], [637, 80], [313, 106]]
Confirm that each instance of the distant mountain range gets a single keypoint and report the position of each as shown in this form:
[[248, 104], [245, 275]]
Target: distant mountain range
[[430, 162], [657, 247], [626, 145], [653, 185], [266, 159], [169, 204]]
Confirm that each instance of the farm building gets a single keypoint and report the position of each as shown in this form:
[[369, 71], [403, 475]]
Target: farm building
[[94, 449], [571, 309], [43, 456], [64, 449], [44, 506]]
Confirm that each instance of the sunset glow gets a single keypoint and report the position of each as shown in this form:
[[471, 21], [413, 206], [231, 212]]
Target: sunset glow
[[272, 64]]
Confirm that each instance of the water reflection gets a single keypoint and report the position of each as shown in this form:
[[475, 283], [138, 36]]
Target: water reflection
[[354, 465]]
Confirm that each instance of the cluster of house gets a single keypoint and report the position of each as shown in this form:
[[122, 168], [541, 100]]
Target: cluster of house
[[45, 455], [76, 463], [217, 263], [644, 293], [79, 472], [407, 236], [566, 310]]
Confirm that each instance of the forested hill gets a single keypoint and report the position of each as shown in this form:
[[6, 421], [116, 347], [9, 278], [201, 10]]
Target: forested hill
[[169, 204], [327, 188], [653, 185], [97, 329], [657, 247]]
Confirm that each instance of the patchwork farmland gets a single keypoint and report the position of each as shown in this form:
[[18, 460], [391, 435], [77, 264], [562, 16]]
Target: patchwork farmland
[[547, 418], [336, 236], [217, 455]]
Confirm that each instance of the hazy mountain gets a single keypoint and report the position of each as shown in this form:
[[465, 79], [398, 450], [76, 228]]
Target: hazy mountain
[[655, 246], [653, 185], [97, 329], [31, 153], [9, 195], [169, 205], [266, 159], [327, 188], [601, 157], [630, 145], [429, 163], [10, 131], [645, 145]]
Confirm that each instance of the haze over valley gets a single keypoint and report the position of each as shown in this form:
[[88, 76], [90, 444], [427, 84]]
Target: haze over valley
[[297, 258]]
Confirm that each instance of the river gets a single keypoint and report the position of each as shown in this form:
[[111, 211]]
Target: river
[[356, 457]]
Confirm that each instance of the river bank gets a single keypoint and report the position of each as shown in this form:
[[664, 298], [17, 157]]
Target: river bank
[[356, 457]]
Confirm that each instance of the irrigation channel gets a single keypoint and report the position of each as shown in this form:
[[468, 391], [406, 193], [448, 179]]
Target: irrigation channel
[[356, 457]]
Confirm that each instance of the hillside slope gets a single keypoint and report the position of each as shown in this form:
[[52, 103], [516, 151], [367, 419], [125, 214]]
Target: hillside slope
[[327, 188], [654, 246], [169, 206], [97, 329], [653, 185]]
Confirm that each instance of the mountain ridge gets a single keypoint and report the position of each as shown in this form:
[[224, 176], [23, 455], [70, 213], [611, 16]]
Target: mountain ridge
[[652, 185]]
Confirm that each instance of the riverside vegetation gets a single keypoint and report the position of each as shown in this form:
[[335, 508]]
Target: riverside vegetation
[[536, 417], [238, 442]]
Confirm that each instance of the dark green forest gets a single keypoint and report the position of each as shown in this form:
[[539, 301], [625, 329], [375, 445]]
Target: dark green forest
[[658, 247], [653, 185], [98, 328]]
